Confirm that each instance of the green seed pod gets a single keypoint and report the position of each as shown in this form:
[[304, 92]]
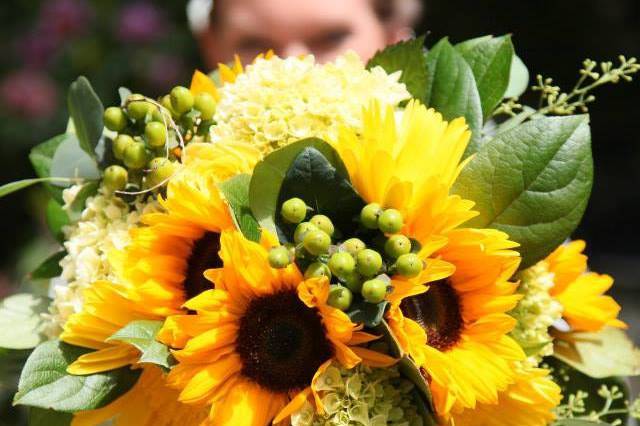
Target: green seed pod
[[293, 210], [302, 230], [138, 109], [156, 134], [135, 156], [120, 145], [317, 269], [340, 297], [369, 215], [342, 264], [390, 221], [279, 257], [397, 245], [354, 245], [353, 281], [408, 265], [115, 178], [115, 119], [323, 223], [160, 169], [368, 262], [316, 242], [205, 103], [374, 291], [181, 99]]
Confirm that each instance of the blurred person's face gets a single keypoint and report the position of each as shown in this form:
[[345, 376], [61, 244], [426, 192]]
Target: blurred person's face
[[292, 27]]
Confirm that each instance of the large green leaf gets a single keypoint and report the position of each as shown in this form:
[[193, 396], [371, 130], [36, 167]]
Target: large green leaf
[[50, 268], [406, 56], [452, 90], [236, 192], [490, 60], [45, 383], [142, 335], [532, 182], [603, 354], [86, 110], [42, 417], [270, 173], [21, 321]]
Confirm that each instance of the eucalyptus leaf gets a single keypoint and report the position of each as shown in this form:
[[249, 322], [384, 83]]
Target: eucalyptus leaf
[[452, 89], [41, 157], [123, 93], [406, 56], [603, 354], [490, 60], [532, 182], [42, 417], [45, 383], [50, 268], [236, 192], [21, 321], [370, 314], [518, 79], [11, 187], [142, 335], [86, 110], [78, 204], [57, 218], [70, 161]]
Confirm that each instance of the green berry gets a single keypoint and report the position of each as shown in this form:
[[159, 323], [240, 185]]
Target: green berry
[[408, 265], [340, 297], [279, 257], [205, 103], [115, 178], [317, 269], [138, 109], [135, 156], [120, 145], [390, 221], [397, 245], [374, 291], [160, 169], [353, 281], [368, 262], [114, 119], [316, 242], [166, 103], [294, 210], [323, 223], [302, 230], [354, 245], [369, 215], [156, 134], [181, 99], [342, 264]]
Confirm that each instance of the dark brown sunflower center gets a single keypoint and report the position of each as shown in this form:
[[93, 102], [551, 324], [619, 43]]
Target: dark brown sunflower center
[[282, 342], [438, 312], [204, 255]]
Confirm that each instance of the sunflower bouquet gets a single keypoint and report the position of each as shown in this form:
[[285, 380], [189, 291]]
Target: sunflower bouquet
[[350, 243]]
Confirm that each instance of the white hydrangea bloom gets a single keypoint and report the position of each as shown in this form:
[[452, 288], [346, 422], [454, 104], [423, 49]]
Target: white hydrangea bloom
[[278, 101], [103, 226]]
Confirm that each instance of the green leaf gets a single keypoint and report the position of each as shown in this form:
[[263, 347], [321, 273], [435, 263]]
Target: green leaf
[[324, 188], [532, 182], [269, 175], [452, 90], [518, 79], [406, 56], [42, 417], [11, 187], [606, 353], [236, 192], [56, 218], [87, 112], [21, 321], [370, 314], [50, 268], [41, 157], [142, 335], [490, 60], [78, 204], [45, 383], [70, 161]]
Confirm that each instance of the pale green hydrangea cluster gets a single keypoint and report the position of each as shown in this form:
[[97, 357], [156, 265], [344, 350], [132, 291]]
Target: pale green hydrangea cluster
[[536, 311], [103, 226], [362, 396], [278, 101]]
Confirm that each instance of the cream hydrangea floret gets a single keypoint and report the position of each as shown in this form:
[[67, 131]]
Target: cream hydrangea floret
[[278, 101], [103, 226]]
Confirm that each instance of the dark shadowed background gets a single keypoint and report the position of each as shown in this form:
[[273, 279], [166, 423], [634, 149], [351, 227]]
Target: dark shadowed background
[[147, 46]]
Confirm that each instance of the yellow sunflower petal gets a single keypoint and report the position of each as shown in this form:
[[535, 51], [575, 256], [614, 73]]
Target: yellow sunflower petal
[[202, 83], [104, 360]]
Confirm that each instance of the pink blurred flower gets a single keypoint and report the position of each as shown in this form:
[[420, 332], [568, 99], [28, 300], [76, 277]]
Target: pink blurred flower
[[164, 71], [139, 22], [64, 18], [29, 93]]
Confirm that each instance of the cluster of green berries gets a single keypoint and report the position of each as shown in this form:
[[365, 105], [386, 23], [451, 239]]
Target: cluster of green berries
[[143, 135], [351, 266]]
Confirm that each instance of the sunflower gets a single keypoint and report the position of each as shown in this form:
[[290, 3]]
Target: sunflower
[[259, 340], [527, 402], [457, 328], [580, 292]]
